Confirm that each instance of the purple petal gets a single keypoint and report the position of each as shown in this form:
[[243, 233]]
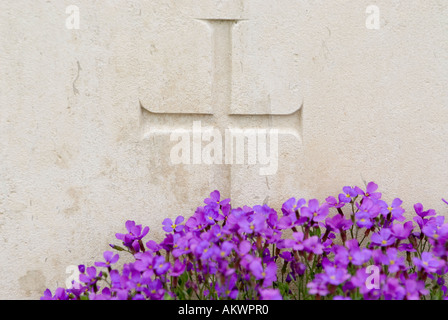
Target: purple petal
[[371, 187], [145, 232], [129, 225], [179, 220]]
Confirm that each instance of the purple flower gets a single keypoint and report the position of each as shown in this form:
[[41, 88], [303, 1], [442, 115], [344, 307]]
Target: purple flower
[[408, 247], [384, 238], [211, 216], [428, 262], [104, 295], [359, 280], [155, 290], [270, 294], [392, 260], [396, 210], [348, 194], [352, 254], [204, 250], [341, 298], [360, 256], [333, 203], [228, 288], [295, 243], [225, 249], [137, 282], [369, 207], [268, 275], [392, 290], [60, 294], [313, 244], [197, 222], [153, 246], [252, 224], [418, 207], [435, 228], [110, 259], [82, 268], [402, 231], [315, 212], [363, 220], [145, 264], [286, 255], [244, 247], [370, 191], [444, 201], [170, 226], [286, 222], [215, 200], [338, 223], [335, 276], [318, 285], [160, 265], [91, 277], [135, 233], [414, 289], [178, 268], [292, 205]]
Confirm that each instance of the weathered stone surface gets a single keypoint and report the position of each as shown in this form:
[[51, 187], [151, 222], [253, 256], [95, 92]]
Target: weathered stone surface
[[86, 115]]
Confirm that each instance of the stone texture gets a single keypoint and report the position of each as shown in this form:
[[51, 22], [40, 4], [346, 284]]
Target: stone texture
[[78, 157]]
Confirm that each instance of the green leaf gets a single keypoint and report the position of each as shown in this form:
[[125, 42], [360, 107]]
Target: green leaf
[[118, 248], [167, 296]]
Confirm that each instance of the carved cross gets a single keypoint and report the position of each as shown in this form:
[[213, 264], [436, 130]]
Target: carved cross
[[221, 118]]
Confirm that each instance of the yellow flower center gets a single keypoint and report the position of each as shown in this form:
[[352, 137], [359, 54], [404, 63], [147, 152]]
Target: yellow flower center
[[392, 262], [384, 242], [263, 274], [389, 208], [315, 214]]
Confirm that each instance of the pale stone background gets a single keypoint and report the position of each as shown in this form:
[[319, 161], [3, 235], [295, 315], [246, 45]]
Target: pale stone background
[[77, 161]]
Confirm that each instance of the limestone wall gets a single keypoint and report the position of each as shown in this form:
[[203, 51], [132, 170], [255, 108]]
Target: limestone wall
[[343, 92]]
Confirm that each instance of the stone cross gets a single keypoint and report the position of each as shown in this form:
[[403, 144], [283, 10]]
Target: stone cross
[[221, 117]]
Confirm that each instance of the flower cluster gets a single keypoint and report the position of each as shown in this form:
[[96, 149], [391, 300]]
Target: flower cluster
[[353, 246]]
